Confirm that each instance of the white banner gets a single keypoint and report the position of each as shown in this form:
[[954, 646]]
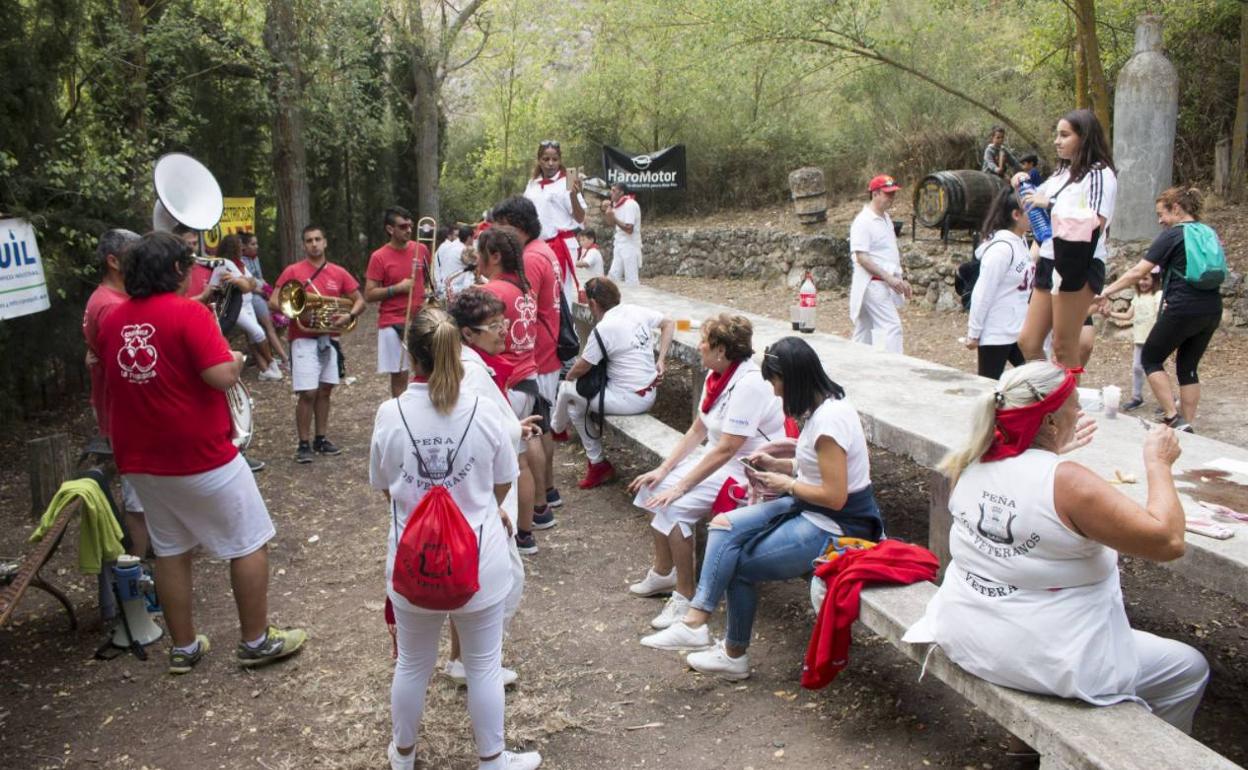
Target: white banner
[[23, 288]]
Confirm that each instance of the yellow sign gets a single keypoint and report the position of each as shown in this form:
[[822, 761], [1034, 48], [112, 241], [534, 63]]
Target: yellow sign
[[239, 217]]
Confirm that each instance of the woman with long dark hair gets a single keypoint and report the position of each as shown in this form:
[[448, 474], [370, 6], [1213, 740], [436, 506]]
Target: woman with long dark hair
[[823, 494], [1190, 311], [435, 433], [999, 299], [1031, 596], [556, 194], [1070, 272], [234, 271]]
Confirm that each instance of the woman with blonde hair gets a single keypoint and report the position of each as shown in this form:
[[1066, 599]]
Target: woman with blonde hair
[[739, 412], [437, 433], [1031, 597]]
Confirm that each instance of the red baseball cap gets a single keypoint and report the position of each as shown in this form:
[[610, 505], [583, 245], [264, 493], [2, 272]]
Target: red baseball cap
[[883, 182]]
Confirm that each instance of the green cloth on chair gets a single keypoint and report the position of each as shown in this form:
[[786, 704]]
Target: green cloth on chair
[[99, 534]]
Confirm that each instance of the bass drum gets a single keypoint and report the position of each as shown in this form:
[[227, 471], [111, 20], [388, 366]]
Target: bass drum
[[239, 399], [228, 304]]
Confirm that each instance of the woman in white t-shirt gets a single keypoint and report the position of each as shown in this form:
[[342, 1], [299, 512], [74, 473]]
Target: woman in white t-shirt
[[739, 413], [1070, 272], [626, 334], [556, 194], [437, 432], [1031, 596], [830, 497], [999, 299]]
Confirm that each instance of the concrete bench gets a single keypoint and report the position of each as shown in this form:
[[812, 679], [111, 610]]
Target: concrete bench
[[1068, 734], [919, 409]]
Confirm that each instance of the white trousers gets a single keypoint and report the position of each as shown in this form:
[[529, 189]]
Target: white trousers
[[1172, 678], [571, 407], [481, 644], [248, 323], [878, 322], [625, 267]]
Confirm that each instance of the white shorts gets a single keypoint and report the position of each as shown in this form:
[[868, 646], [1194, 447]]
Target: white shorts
[[548, 386], [391, 357], [220, 509], [130, 502], [694, 505], [521, 403], [311, 366], [248, 323]]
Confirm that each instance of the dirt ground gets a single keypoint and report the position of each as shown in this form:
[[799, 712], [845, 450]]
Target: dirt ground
[[589, 695]]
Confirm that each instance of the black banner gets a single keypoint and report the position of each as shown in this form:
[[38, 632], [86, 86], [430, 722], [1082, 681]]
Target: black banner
[[662, 170]]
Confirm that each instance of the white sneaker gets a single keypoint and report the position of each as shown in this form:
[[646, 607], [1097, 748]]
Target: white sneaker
[[678, 637], [654, 583], [398, 761], [272, 373], [454, 669], [673, 611], [717, 662], [528, 760]]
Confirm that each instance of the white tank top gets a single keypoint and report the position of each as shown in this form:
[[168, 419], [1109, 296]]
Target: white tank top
[[1026, 602]]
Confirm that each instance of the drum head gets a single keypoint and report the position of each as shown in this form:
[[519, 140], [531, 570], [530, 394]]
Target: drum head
[[228, 308]]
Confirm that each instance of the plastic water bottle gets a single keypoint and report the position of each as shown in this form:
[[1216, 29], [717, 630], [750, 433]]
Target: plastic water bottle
[[1039, 217], [807, 299]]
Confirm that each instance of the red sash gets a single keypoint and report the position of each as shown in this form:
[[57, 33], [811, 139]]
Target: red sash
[[559, 245]]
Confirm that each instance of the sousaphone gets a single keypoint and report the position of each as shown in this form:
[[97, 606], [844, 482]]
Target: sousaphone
[[188, 194]]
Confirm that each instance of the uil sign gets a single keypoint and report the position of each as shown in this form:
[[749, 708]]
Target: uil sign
[[23, 288]]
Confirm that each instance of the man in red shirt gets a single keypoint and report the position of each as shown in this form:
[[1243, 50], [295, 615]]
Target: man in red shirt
[[541, 268], [396, 277], [166, 367], [314, 357], [107, 296]]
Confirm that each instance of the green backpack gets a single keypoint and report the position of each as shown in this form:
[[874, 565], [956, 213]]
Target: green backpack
[[1206, 261]]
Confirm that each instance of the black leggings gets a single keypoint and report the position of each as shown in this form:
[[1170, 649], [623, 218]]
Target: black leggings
[[992, 359], [1188, 334]]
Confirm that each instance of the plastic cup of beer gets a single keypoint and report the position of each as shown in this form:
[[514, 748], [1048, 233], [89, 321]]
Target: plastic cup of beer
[[1110, 396], [683, 324]]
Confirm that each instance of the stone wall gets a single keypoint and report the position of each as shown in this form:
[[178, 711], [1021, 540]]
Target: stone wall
[[777, 255]]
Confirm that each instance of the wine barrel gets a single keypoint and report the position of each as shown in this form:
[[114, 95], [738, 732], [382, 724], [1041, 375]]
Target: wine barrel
[[810, 195], [955, 200]]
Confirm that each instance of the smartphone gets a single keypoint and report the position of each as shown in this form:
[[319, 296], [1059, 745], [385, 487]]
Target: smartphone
[[747, 462]]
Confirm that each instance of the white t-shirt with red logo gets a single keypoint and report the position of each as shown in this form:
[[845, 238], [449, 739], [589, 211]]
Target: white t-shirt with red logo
[[333, 281], [164, 419], [387, 266], [520, 309]]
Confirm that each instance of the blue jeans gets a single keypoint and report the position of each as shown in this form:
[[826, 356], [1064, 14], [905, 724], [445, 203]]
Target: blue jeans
[[768, 541]]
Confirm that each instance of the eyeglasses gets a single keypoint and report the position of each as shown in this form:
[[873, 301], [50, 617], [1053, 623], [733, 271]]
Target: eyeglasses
[[498, 327], [547, 144]]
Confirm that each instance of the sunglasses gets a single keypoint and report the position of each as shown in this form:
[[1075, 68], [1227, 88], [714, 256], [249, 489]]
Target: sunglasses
[[405, 226], [546, 144]]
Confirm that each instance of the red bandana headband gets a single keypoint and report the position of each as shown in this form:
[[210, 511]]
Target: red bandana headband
[[1017, 427]]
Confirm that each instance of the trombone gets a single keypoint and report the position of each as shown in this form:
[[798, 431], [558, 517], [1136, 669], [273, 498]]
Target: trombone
[[428, 290]]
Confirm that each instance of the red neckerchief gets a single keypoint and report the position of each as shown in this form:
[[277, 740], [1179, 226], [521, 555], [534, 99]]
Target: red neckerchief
[[239, 264], [420, 378], [544, 181], [1017, 427], [482, 228], [498, 365], [791, 428], [715, 384], [623, 199], [591, 247]]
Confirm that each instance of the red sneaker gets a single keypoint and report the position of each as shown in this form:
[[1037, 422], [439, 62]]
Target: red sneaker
[[597, 474], [559, 435]]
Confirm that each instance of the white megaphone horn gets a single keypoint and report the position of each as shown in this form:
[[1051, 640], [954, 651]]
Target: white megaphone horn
[[186, 193]]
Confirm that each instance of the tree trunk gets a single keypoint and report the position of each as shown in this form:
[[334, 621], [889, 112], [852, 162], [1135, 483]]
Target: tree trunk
[[1239, 132], [1098, 89], [132, 15], [290, 162], [1081, 77], [428, 130]]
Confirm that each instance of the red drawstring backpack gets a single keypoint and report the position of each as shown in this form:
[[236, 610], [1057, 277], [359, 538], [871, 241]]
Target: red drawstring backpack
[[435, 560]]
